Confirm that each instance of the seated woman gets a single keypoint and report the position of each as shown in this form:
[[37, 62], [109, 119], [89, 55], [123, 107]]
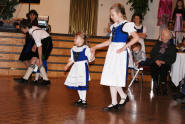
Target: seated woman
[[140, 29], [163, 55]]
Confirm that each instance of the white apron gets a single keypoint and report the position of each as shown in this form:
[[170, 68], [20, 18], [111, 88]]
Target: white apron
[[115, 67], [78, 75]]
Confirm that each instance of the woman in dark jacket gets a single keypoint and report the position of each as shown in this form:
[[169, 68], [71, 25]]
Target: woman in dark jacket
[[163, 55]]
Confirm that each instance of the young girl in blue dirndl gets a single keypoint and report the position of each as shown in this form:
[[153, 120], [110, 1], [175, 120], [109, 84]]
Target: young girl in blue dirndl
[[78, 77], [115, 68]]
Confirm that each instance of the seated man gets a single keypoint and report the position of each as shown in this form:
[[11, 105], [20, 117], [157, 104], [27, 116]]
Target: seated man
[[163, 55]]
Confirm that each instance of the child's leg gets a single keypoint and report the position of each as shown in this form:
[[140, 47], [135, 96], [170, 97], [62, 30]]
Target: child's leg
[[113, 93], [124, 97], [121, 92], [43, 70], [80, 94], [84, 92], [43, 73], [30, 69], [37, 76], [29, 72], [132, 73]]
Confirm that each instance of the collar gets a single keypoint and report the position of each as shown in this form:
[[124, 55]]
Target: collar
[[118, 24], [32, 29], [138, 27]]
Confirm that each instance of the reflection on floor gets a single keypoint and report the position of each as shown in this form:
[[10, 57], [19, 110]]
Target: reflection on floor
[[28, 104]]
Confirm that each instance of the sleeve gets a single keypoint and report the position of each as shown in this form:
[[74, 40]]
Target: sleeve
[[129, 27], [170, 57], [71, 58], [88, 54], [144, 29], [154, 53], [37, 38], [111, 27]]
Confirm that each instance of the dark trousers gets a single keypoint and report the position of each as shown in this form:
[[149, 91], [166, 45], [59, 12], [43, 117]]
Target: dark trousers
[[161, 72]]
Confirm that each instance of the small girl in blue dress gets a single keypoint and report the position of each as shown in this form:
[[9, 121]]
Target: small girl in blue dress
[[78, 76]]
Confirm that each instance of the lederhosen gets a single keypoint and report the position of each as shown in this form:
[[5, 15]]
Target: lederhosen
[[47, 47]]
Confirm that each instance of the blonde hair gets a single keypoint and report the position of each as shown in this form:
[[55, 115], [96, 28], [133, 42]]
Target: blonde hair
[[119, 8], [83, 36]]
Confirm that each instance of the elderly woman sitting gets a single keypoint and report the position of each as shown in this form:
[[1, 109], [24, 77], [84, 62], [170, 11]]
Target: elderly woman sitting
[[163, 55]]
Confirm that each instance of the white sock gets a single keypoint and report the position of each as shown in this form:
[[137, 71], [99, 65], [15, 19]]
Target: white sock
[[122, 94], [84, 92], [37, 76], [28, 73], [113, 93], [43, 73], [80, 94]]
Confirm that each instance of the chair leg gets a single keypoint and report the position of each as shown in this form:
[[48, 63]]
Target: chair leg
[[142, 77], [151, 91], [134, 78], [152, 85]]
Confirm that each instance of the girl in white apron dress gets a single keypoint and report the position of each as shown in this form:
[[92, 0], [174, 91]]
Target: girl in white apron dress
[[140, 29], [78, 76], [115, 68]]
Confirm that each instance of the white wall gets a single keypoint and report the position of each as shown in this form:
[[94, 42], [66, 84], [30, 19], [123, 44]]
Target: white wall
[[58, 11], [104, 14]]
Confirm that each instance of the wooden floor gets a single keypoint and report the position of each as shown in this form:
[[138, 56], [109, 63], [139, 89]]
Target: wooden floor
[[27, 104]]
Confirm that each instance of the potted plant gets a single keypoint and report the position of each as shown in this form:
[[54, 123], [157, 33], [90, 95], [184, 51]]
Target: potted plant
[[139, 6]]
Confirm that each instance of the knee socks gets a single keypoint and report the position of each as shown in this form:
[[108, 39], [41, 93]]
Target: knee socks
[[43, 73], [29, 71], [82, 94]]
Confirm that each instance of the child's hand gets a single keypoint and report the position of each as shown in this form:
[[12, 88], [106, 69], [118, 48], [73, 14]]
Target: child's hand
[[92, 58], [66, 68], [137, 63], [121, 49]]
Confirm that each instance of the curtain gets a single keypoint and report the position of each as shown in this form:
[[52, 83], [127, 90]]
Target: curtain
[[83, 16]]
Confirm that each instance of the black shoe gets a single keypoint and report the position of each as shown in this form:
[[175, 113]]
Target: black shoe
[[111, 107], [35, 82], [45, 82], [126, 100], [78, 103], [20, 80], [84, 104]]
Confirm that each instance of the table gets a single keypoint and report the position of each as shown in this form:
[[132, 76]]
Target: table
[[178, 69]]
